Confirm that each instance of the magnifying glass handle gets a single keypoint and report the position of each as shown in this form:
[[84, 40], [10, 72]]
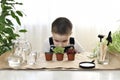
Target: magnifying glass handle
[[93, 61]]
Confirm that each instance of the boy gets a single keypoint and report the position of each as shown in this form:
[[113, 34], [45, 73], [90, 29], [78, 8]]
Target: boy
[[61, 31]]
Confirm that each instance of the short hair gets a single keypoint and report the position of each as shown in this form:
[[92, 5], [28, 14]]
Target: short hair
[[62, 26]]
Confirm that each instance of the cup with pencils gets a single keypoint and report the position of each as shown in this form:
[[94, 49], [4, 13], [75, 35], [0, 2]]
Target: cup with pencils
[[103, 54]]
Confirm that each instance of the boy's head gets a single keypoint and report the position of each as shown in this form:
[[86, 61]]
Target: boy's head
[[62, 26], [61, 31]]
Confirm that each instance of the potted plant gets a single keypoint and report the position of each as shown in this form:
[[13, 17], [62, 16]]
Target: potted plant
[[59, 51], [114, 47], [48, 56], [71, 54], [8, 16]]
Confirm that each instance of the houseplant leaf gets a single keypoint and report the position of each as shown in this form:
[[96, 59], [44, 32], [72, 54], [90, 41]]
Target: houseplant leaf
[[19, 13], [15, 17], [58, 50], [115, 46], [23, 30], [8, 13]]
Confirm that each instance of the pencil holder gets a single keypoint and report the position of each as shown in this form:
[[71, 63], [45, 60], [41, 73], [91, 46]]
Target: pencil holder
[[103, 55]]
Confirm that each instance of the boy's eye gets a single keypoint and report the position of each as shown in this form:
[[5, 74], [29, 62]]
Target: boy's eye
[[57, 41], [64, 41]]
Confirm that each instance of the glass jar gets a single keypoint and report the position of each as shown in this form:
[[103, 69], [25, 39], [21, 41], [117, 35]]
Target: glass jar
[[103, 55], [14, 61]]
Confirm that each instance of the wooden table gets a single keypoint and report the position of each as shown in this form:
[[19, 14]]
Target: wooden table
[[42, 64]]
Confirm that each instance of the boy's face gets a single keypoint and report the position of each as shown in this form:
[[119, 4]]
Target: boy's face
[[60, 40]]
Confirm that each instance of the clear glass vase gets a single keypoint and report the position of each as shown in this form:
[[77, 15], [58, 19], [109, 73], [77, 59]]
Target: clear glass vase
[[21, 49]]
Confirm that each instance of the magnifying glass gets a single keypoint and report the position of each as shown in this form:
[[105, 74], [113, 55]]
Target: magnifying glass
[[87, 65]]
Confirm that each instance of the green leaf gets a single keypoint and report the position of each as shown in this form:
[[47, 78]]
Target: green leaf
[[19, 3], [1, 38], [1, 27], [3, 1], [9, 31], [7, 7], [58, 50], [19, 13], [2, 18], [9, 22], [15, 17], [13, 14], [18, 20], [23, 30], [11, 0], [17, 35]]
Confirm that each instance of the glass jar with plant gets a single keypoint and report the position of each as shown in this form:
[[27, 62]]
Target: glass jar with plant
[[8, 16], [59, 51]]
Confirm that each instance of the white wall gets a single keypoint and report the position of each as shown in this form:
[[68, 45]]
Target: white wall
[[89, 17]]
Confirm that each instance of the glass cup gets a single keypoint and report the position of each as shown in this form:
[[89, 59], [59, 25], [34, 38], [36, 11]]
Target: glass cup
[[103, 55], [31, 58]]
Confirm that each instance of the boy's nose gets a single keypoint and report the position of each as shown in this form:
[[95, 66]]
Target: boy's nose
[[60, 44]]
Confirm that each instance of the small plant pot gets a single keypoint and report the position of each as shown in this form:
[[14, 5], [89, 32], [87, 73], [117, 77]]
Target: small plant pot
[[59, 56], [48, 56], [71, 57]]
